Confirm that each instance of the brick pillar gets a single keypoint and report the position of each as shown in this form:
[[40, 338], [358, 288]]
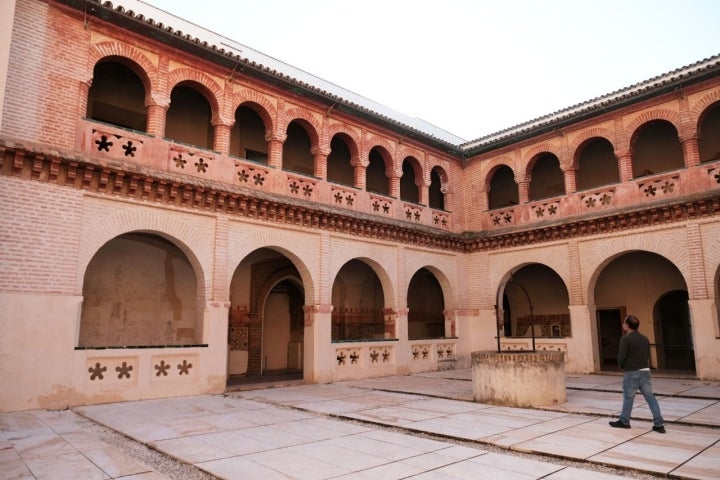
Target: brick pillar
[[691, 151], [254, 345], [156, 115], [523, 191], [394, 185], [424, 193], [275, 150], [625, 167], [570, 181], [222, 137], [320, 156], [359, 174]]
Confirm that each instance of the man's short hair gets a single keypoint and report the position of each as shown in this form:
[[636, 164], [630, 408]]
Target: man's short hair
[[632, 321]]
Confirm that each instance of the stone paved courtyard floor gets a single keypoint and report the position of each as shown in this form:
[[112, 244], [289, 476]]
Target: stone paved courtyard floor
[[421, 426]]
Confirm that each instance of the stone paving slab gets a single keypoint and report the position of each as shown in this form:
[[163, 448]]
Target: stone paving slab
[[303, 432], [38, 445]]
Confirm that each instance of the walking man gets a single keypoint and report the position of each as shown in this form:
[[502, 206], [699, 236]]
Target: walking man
[[633, 359]]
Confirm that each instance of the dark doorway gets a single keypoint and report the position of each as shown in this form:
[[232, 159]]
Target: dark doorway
[[609, 322], [673, 332]]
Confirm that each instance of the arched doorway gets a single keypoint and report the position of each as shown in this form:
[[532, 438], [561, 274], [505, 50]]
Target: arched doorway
[[266, 324], [652, 288], [673, 332]]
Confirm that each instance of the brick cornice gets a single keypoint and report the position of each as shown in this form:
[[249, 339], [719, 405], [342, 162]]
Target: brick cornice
[[135, 182]]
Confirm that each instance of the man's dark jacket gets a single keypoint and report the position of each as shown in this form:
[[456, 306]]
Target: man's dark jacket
[[634, 351]]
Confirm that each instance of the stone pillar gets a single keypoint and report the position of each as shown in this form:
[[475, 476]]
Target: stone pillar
[[582, 344], [475, 329], [318, 362], [706, 338], [392, 319], [215, 335], [275, 150], [156, 116], [691, 151]]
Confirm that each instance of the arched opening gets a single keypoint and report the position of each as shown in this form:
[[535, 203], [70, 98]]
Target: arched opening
[[535, 303], [117, 96], [189, 117], [140, 290], [375, 178], [673, 332], [597, 165], [297, 155], [426, 305], [339, 166], [358, 303], [656, 149], [648, 286], [247, 137], [709, 134], [436, 197], [546, 178], [409, 191], [503, 190], [266, 324]]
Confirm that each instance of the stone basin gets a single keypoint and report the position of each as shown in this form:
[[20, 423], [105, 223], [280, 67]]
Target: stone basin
[[519, 378]]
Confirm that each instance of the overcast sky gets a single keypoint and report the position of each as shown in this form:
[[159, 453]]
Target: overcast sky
[[471, 67]]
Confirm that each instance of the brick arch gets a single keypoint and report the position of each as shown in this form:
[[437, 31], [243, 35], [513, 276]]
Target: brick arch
[[422, 261], [489, 170], [649, 116], [308, 119], [530, 157], [138, 62], [260, 104], [257, 301], [406, 151], [379, 259], [700, 108], [351, 134], [173, 228], [208, 87], [417, 169], [442, 173], [606, 251], [515, 262], [303, 254], [595, 132], [387, 149]]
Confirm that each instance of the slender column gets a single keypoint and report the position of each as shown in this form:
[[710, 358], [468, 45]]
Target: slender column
[[523, 191], [275, 150], [320, 156], [359, 175], [156, 117], [570, 176], [625, 167], [222, 137], [394, 185], [691, 151], [424, 193]]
